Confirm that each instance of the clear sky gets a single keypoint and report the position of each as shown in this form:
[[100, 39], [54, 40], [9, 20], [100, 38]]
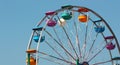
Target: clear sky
[[18, 17]]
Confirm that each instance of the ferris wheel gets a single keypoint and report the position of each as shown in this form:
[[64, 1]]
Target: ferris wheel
[[72, 35]]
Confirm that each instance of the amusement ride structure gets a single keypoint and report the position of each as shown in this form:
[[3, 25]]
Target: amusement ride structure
[[72, 35]]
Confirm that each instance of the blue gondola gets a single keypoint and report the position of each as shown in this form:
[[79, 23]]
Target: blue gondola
[[99, 29], [36, 38]]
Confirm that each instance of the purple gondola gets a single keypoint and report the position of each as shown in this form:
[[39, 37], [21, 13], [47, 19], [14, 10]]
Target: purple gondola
[[51, 23], [110, 46]]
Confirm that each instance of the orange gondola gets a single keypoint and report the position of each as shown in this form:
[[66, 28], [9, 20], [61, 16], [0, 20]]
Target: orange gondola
[[83, 18], [32, 61]]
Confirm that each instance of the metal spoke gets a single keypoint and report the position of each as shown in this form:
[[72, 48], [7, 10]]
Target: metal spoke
[[96, 54], [54, 49], [91, 46], [70, 42], [85, 40], [59, 39], [69, 39], [51, 60], [54, 57], [77, 39], [60, 44]]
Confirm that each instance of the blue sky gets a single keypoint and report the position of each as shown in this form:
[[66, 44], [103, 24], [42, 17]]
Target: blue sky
[[18, 17]]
